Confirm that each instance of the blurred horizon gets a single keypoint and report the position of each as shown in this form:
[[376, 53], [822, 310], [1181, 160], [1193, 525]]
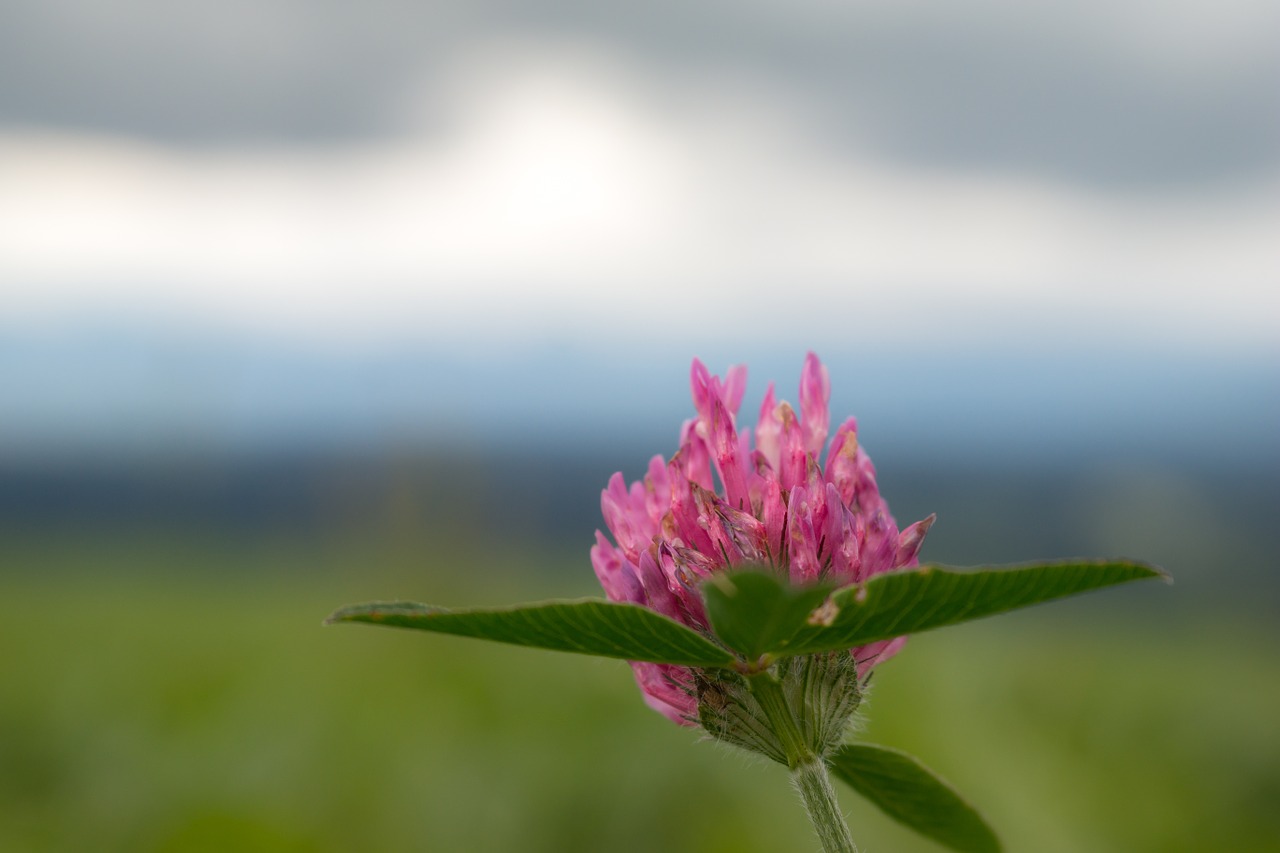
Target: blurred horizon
[[1169, 460], [135, 390]]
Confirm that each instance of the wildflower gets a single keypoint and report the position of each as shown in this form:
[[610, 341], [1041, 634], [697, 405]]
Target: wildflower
[[721, 503], [778, 680]]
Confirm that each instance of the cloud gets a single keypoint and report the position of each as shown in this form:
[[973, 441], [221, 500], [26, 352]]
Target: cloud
[[567, 194], [1110, 92]]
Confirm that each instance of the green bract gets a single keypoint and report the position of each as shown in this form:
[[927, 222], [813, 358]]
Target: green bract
[[588, 626], [754, 613]]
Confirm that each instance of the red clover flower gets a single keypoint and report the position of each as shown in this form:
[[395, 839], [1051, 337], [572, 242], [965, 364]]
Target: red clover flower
[[778, 505]]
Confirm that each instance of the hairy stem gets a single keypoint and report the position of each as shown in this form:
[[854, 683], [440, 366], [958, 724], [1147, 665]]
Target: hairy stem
[[814, 784], [808, 770]]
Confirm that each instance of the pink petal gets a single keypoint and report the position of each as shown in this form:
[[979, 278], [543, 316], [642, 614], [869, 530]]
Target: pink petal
[[746, 533], [737, 537], [873, 654], [724, 441], [846, 555], [815, 392], [769, 431], [793, 462], [910, 540], [684, 509], [802, 544], [657, 488], [842, 460], [685, 569], [773, 513], [753, 466], [735, 385], [694, 456], [667, 690], [722, 551], [657, 589], [616, 575], [627, 526], [831, 527], [880, 550], [700, 383]]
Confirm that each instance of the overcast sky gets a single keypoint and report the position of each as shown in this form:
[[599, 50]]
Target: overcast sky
[[643, 172]]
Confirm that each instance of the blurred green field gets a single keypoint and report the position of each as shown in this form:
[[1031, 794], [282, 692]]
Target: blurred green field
[[168, 694]]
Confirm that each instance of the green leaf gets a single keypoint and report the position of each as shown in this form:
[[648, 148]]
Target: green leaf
[[753, 612], [908, 602], [587, 626], [911, 794]]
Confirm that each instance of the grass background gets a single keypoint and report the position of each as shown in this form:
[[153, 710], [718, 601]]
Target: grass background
[[163, 692]]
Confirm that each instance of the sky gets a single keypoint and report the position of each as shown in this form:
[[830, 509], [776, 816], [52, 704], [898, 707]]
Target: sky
[[353, 181]]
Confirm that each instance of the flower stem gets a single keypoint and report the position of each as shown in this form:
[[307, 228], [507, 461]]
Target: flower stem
[[808, 770], [814, 784], [781, 716]]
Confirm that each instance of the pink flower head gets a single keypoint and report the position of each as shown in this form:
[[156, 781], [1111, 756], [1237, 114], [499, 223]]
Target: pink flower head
[[721, 502]]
